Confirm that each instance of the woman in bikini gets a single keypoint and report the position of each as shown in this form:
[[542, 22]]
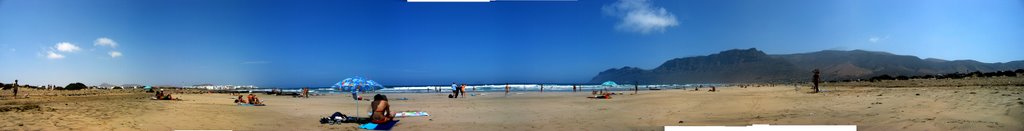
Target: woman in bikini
[[381, 110]]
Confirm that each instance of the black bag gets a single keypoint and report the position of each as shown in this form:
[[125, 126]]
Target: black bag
[[325, 120], [335, 116]]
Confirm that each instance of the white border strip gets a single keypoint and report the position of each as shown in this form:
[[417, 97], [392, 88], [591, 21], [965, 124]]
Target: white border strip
[[448, 1], [765, 127]]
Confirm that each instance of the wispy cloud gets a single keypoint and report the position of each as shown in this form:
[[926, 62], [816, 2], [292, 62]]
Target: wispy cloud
[[640, 16], [104, 41], [51, 55], [255, 62], [876, 39], [66, 47], [115, 54]]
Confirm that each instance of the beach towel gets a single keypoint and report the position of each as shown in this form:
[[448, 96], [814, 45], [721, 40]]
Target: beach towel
[[374, 126], [411, 114], [407, 113], [246, 104]]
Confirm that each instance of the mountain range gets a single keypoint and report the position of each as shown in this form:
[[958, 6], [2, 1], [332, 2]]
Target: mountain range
[[752, 65]]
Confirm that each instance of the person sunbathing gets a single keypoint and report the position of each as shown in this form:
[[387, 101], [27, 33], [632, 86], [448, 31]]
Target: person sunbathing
[[602, 96], [381, 110], [241, 100], [254, 100], [159, 95], [167, 97]]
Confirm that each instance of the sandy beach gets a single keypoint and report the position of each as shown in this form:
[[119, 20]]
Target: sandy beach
[[968, 107]]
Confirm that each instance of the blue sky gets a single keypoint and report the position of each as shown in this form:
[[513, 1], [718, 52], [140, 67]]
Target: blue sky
[[317, 43]]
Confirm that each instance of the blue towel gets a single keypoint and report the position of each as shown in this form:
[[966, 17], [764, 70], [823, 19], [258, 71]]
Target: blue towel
[[370, 126], [373, 126], [386, 126]]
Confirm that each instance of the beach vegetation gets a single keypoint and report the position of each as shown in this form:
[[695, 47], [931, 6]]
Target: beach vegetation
[[75, 86]]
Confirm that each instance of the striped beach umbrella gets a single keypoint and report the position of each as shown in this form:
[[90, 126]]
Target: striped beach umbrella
[[609, 83]]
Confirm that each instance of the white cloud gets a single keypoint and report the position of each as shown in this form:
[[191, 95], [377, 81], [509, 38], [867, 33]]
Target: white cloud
[[876, 39], [104, 41], [67, 47], [640, 16], [115, 54], [51, 55]]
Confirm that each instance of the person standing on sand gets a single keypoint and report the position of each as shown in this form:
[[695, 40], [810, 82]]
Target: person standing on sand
[[816, 80], [455, 90], [305, 92], [462, 89], [636, 87], [506, 89], [15, 89]]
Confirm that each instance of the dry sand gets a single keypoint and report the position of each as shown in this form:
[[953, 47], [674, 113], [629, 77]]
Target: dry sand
[[871, 108]]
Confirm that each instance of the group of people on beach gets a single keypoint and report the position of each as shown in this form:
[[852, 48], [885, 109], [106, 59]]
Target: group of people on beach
[[457, 90], [250, 99], [161, 95]]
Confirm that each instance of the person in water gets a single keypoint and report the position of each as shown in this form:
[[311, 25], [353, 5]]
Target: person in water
[[381, 110], [506, 89]]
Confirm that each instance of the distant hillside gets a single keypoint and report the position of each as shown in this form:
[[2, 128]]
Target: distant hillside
[[752, 65]]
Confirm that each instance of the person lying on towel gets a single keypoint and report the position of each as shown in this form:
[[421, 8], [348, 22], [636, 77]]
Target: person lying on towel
[[603, 96], [381, 110], [254, 100], [241, 100]]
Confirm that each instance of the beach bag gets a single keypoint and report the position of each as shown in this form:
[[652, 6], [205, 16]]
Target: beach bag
[[337, 116], [325, 120]]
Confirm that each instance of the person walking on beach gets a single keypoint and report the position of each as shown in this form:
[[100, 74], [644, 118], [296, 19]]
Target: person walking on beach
[[816, 80], [573, 88], [15, 88], [455, 90], [506, 89]]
